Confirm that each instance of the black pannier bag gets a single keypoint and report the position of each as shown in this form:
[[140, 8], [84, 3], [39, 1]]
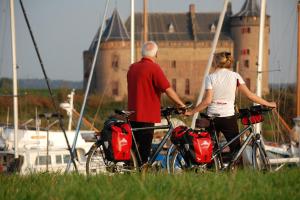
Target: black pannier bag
[[116, 139], [196, 145]]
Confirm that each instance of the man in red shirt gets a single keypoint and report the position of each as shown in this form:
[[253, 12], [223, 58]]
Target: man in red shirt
[[146, 82]]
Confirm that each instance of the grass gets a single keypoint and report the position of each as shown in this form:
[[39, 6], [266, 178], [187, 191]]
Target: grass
[[243, 184]]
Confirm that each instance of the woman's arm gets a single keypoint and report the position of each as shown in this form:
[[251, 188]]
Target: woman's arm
[[204, 103], [244, 90]]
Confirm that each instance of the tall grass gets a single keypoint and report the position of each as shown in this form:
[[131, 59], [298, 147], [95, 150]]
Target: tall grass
[[243, 184]]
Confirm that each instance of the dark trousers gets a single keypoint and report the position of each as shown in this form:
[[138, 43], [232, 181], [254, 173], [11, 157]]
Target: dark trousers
[[143, 139], [229, 127]]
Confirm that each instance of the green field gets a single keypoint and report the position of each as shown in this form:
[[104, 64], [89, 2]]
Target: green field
[[242, 184]]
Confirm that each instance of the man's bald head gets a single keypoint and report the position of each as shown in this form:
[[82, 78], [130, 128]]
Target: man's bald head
[[149, 49]]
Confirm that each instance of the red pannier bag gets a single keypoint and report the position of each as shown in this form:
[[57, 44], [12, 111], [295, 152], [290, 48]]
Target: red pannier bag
[[256, 118], [116, 139], [177, 134], [197, 144]]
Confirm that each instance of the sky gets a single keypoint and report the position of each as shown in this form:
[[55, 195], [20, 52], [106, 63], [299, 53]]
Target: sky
[[65, 28]]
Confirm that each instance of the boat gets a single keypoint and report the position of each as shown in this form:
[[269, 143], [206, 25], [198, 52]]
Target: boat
[[38, 155]]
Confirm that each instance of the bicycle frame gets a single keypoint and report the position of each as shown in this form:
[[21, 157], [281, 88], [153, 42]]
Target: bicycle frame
[[170, 128], [237, 155], [251, 136]]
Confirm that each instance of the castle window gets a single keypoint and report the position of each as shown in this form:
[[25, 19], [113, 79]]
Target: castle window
[[245, 51], [115, 88], [246, 30], [171, 28], [173, 63], [212, 28], [187, 87], [248, 82], [174, 84], [86, 74], [246, 63], [115, 61]]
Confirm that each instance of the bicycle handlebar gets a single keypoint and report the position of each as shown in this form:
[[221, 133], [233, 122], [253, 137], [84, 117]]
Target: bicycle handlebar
[[166, 111], [258, 109]]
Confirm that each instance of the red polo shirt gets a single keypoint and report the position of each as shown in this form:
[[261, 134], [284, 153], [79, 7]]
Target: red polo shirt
[[145, 81]]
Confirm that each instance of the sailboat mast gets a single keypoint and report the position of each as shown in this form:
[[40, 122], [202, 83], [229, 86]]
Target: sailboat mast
[[208, 66], [14, 71], [260, 54], [298, 66], [88, 85], [132, 33], [145, 20]]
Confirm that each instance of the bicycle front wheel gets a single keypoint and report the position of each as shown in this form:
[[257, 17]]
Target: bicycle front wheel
[[179, 165], [260, 160], [95, 161], [97, 164]]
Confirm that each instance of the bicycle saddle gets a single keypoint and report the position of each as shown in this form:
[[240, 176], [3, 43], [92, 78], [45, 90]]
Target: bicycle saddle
[[124, 112]]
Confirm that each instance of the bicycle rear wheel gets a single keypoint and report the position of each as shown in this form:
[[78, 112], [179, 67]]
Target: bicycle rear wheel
[[97, 164], [179, 165], [260, 160]]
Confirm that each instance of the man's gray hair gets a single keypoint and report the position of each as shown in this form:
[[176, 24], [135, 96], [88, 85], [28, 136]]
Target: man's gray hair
[[149, 49]]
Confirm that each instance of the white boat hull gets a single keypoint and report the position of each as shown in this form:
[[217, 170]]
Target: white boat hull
[[32, 147]]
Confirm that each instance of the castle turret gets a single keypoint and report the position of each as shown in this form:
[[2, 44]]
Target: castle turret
[[112, 60], [244, 28]]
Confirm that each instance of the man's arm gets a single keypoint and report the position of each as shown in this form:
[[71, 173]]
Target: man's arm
[[173, 96]]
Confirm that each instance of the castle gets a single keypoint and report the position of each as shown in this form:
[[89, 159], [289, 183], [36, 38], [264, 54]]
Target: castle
[[184, 41]]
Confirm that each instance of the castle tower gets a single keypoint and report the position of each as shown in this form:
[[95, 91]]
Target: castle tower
[[244, 28], [184, 41], [112, 61]]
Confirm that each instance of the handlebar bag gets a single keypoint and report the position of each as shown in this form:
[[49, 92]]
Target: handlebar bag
[[250, 117], [253, 119], [116, 139]]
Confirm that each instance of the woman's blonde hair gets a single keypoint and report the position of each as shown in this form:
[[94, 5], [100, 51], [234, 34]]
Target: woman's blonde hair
[[223, 60]]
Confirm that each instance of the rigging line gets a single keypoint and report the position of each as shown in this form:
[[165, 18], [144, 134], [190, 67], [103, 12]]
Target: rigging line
[[176, 27], [101, 99], [161, 19], [48, 84], [289, 64], [283, 91], [3, 33], [292, 13], [88, 84]]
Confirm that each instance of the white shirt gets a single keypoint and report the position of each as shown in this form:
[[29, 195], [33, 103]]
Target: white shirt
[[223, 83]]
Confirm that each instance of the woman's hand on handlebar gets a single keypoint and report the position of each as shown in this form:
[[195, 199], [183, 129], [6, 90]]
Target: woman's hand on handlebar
[[183, 109], [272, 104], [188, 113]]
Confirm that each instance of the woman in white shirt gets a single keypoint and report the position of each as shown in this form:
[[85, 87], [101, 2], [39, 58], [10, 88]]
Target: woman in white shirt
[[219, 97]]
